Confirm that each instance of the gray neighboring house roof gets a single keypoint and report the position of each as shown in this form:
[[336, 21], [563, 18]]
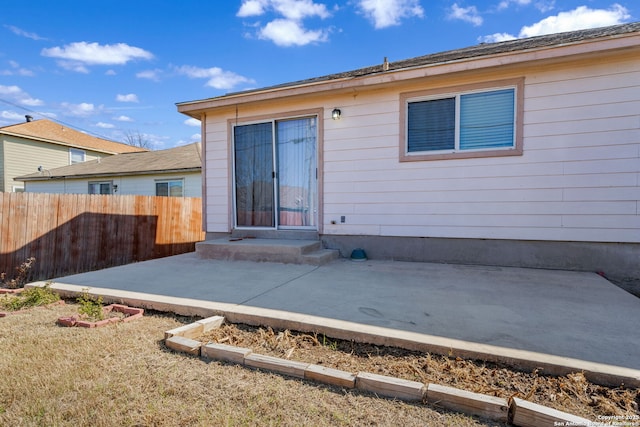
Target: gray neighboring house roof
[[186, 158], [477, 51]]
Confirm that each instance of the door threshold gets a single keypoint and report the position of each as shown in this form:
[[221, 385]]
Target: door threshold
[[275, 234]]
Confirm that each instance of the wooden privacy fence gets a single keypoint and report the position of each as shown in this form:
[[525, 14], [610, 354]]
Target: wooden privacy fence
[[75, 233]]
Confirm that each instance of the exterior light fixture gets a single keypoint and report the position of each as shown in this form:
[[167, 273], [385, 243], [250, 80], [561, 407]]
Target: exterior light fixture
[[336, 113]]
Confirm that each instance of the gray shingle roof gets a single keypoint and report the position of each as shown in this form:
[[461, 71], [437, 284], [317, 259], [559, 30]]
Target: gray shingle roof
[[184, 158]]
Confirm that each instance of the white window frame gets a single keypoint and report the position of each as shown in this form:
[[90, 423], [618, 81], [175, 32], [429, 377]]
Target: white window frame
[[76, 152], [168, 182], [99, 183], [456, 92]]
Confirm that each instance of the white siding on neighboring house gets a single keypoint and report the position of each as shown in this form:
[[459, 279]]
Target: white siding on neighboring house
[[127, 185], [577, 180], [145, 184]]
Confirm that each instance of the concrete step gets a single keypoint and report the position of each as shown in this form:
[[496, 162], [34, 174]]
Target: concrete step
[[285, 251]]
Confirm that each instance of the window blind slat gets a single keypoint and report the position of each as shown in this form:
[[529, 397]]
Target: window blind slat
[[487, 119], [431, 125]]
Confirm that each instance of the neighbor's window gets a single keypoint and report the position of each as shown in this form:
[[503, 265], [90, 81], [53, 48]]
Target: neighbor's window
[[102, 187], [76, 156], [172, 188], [468, 123]]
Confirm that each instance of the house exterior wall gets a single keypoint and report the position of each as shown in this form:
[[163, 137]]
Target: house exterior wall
[[127, 185], [577, 180], [23, 156]]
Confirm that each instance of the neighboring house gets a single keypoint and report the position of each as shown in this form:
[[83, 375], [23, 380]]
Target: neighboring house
[[519, 153], [43, 145], [173, 172]]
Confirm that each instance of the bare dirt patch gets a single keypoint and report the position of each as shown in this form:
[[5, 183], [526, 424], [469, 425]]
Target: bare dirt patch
[[571, 393]]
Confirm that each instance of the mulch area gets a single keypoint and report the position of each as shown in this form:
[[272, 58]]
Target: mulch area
[[572, 393]]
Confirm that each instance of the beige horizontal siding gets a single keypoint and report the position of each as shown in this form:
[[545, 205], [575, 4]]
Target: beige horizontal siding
[[578, 178], [217, 176]]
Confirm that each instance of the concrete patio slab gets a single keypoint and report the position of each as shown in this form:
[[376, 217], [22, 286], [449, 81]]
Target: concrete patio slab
[[571, 318]]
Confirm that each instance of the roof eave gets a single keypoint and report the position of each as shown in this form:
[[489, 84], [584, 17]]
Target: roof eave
[[62, 143], [553, 52], [108, 174]]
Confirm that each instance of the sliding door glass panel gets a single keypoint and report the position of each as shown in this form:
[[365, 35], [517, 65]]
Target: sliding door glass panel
[[297, 162], [253, 154]]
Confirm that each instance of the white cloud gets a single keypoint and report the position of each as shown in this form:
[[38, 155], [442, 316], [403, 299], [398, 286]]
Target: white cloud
[[10, 90], [110, 73], [83, 109], [16, 70], [73, 66], [496, 37], [545, 5], [290, 9], [286, 32], [252, 8], [506, 3], [542, 5], [11, 115], [579, 18], [468, 14], [153, 75], [130, 97], [196, 137], [20, 96], [287, 29], [76, 56], [31, 102], [192, 122], [105, 125], [300, 9], [123, 119], [387, 13], [157, 142], [23, 33], [218, 78]]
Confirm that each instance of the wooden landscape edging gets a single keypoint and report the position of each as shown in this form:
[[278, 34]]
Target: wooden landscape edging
[[517, 411]]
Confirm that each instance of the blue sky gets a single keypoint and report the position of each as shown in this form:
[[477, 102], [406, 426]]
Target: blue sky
[[114, 67]]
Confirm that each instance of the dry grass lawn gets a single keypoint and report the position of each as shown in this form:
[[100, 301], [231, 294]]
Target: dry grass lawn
[[122, 375]]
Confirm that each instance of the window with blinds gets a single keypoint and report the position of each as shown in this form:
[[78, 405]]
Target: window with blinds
[[475, 121]]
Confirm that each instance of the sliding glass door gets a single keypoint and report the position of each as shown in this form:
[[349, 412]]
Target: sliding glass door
[[275, 174], [253, 152]]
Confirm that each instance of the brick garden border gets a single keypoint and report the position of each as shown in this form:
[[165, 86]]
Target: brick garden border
[[10, 291], [131, 312], [517, 411]]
